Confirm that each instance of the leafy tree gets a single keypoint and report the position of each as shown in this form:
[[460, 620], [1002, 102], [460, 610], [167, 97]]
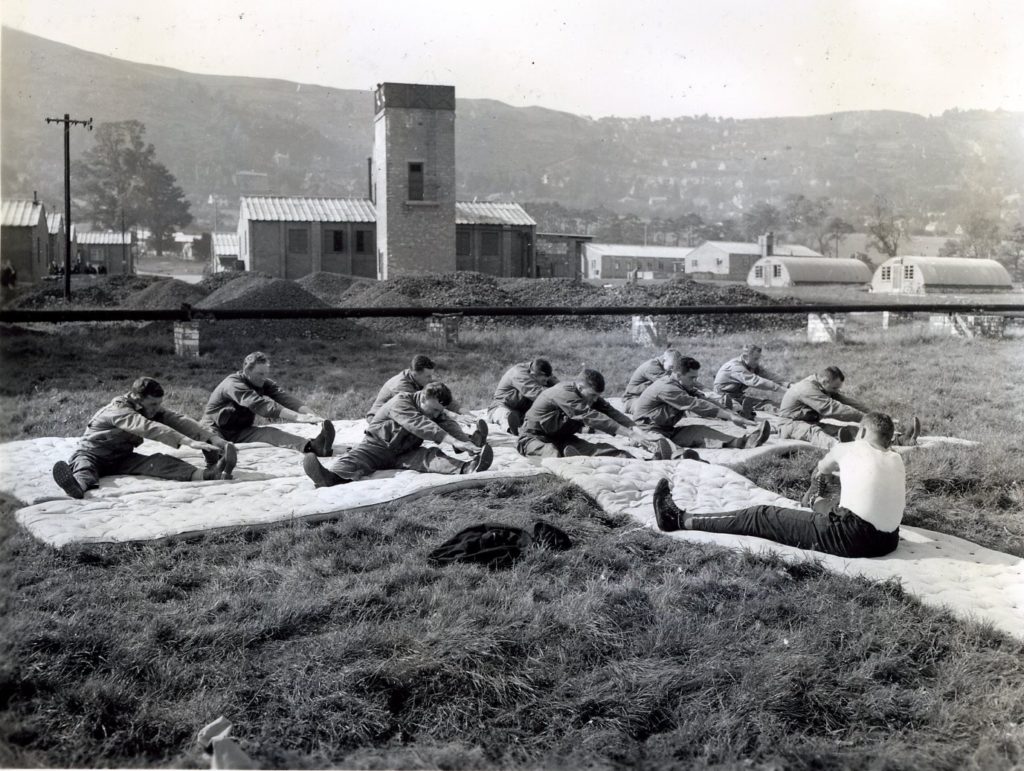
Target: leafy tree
[[806, 220], [981, 239], [760, 219], [166, 208], [110, 174], [835, 231], [121, 181], [885, 228]]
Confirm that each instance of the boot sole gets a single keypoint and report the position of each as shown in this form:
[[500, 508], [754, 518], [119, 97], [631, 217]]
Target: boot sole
[[321, 477], [63, 476]]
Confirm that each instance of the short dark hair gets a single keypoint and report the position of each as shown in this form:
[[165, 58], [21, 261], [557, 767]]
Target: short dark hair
[[881, 424], [541, 367], [147, 387], [592, 378], [439, 391], [254, 358], [751, 348], [688, 364], [421, 362], [833, 373]]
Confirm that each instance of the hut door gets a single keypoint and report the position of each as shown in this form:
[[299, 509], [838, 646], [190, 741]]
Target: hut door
[[897, 276]]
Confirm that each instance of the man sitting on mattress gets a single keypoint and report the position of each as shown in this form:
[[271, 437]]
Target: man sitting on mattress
[[668, 399], [864, 522], [394, 440], [551, 425], [521, 384], [413, 379], [108, 445], [818, 396], [644, 375]]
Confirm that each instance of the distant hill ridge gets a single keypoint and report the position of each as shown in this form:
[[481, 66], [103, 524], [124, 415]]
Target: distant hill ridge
[[314, 140]]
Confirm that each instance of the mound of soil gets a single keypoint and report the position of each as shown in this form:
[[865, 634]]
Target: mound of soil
[[168, 294], [329, 287], [87, 291], [253, 292]]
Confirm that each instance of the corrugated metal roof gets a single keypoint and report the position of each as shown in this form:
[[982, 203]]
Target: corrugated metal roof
[[53, 223], [779, 250], [473, 213], [276, 208], [631, 250], [955, 271], [225, 244], [20, 214], [104, 237], [821, 270]]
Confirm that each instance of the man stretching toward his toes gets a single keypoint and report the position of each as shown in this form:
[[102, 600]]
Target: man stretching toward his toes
[[108, 445], [865, 522], [667, 400], [394, 439]]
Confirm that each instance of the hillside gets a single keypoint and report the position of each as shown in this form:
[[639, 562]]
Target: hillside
[[315, 140]]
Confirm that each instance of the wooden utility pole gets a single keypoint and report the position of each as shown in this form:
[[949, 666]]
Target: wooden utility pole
[[68, 123]]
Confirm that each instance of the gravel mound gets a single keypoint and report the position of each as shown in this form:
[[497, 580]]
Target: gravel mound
[[87, 291], [467, 289], [168, 294], [329, 287], [252, 292]]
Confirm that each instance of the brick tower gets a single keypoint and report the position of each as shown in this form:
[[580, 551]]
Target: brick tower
[[414, 178]]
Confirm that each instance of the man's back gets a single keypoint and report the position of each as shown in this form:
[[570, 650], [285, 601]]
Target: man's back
[[874, 483]]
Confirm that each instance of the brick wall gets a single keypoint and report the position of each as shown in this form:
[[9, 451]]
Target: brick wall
[[414, 235]]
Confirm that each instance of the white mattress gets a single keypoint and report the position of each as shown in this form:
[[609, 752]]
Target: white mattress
[[941, 570]]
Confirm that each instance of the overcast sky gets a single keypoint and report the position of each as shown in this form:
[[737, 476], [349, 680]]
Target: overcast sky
[[739, 58]]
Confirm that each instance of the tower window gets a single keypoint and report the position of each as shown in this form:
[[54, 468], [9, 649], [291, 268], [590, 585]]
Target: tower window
[[415, 181], [463, 243]]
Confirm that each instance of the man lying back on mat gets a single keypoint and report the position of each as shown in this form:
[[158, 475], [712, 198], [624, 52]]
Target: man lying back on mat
[[108, 445], [863, 522]]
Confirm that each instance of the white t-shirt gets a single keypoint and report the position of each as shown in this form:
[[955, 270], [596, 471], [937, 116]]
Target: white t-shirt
[[874, 483]]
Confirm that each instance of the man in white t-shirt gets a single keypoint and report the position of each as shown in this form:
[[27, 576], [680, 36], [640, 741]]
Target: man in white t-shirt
[[864, 522]]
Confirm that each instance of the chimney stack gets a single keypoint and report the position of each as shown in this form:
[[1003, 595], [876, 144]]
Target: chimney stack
[[35, 196], [767, 244]]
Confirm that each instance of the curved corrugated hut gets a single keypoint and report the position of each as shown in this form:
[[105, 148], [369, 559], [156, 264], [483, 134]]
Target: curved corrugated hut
[[919, 275], [802, 271]]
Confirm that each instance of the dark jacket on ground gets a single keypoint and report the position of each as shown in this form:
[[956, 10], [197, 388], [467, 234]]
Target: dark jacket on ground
[[117, 429], [235, 403], [809, 402], [561, 412], [665, 401], [519, 387], [642, 377], [402, 425]]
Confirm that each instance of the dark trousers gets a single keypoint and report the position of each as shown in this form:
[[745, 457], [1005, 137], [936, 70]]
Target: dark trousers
[[831, 529], [266, 434], [371, 455], [88, 468], [531, 445]]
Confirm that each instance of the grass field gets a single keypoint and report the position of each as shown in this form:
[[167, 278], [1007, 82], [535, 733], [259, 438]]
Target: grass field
[[337, 645]]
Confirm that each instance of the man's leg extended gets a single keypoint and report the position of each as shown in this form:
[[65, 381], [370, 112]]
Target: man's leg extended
[[698, 435], [431, 460], [510, 420], [275, 436], [534, 447], [821, 435], [157, 465], [577, 446]]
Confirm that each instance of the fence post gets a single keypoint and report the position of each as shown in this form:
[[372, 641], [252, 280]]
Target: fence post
[[826, 328], [186, 338], [445, 327], [646, 332]]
